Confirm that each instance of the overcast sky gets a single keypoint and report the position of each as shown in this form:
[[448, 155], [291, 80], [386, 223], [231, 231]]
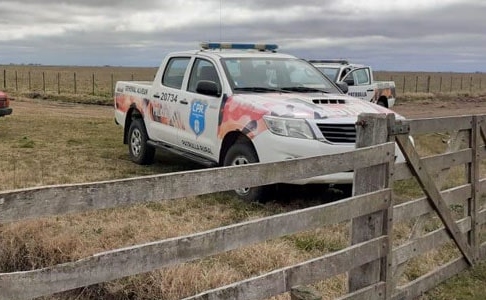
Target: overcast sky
[[399, 35]]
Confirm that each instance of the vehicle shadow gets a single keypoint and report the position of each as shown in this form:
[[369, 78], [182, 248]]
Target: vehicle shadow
[[301, 196]]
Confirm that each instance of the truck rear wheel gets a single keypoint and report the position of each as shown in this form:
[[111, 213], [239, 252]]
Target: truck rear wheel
[[140, 152], [242, 154], [382, 102]]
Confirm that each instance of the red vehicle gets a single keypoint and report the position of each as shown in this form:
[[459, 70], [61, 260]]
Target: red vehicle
[[4, 104]]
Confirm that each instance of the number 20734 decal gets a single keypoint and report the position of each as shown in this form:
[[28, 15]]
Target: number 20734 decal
[[168, 97]]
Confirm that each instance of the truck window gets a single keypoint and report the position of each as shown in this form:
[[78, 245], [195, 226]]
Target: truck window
[[361, 77], [202, 70], [331, 73], [174, 72]]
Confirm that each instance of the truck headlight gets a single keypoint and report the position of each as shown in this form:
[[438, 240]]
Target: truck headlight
[[297, 128]]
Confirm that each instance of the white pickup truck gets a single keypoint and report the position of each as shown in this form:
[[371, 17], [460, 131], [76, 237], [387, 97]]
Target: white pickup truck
[[232, 104], [359, 79]]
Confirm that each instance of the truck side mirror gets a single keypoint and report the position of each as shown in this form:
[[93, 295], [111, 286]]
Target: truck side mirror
[[208, 88], [349, 80], [343, 86]]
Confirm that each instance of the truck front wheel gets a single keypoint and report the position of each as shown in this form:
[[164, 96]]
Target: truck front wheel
[[140, 152], [242, 154]]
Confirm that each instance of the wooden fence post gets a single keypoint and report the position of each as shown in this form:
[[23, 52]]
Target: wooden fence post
[[473, 174], [44, 81], [75, 87], [16, 81], [404, 83], [428, 84], [93, 81], [58, 83], [372, 129], [4, 78]]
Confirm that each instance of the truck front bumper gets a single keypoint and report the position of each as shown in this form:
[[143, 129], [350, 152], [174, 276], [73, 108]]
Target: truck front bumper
[[272, 148]]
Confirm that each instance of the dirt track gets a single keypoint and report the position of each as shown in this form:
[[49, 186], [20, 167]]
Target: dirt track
[[441, 108], [410, 109]]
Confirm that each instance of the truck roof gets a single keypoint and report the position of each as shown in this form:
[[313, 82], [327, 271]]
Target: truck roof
[[229, 50], [335, 63]]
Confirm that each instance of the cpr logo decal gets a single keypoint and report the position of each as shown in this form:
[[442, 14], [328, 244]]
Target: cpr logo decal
[[197, 117]]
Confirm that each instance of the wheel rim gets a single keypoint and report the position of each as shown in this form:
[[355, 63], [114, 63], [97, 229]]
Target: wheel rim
[[136, 142], [238, 161]]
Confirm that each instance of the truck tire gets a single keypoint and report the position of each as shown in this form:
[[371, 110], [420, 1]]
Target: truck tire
[[382, 102], [140, 152], [242, 154]]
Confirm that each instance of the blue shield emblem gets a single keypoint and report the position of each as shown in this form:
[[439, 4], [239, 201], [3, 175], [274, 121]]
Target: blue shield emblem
[[197, 117]]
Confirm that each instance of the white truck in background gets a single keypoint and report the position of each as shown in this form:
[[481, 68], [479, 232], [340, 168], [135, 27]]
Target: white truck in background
[[360, 81], [233, 104]]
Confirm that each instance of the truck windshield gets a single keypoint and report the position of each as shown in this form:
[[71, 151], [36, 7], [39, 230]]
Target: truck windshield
[[263, 74]]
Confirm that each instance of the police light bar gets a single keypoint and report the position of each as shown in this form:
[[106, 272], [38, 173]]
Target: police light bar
[[332, 61], [236, 46]]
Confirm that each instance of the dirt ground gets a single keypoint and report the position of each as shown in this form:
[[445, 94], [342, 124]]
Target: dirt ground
[[409, 109], [441, 108]]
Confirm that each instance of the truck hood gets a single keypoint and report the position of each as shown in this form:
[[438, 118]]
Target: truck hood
[[309, 106]]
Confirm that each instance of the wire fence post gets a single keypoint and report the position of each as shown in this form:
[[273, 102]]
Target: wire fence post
[[428, 84], [451, 85], [4, 78], [112, 85], [75, 87], [93, 81], [440, 85], [44, 81], [416, 84], [16, 82], [58, 83], [404, 82], [470, 84], [30, 82]]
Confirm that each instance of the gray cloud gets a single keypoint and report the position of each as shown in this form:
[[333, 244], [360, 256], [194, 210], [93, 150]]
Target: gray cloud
[[443, 35]]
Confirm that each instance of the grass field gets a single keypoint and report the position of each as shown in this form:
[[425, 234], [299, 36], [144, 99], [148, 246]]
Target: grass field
[[46, 142]]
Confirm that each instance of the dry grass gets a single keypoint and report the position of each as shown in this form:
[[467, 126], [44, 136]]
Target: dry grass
[[53, 142]]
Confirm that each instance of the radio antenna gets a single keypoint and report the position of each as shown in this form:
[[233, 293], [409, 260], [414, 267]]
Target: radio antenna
[[220, 20]]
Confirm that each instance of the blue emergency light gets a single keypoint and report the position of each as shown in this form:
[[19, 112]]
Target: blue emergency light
[[237, 46]]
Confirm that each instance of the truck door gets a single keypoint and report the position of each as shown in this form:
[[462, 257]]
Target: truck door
[[359, 83], [200, 111], [166, 93]]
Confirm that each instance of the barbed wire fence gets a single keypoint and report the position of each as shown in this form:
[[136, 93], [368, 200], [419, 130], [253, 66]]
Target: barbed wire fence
[[100, 81]]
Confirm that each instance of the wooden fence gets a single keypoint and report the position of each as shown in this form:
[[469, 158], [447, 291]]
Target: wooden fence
[[375, 258]]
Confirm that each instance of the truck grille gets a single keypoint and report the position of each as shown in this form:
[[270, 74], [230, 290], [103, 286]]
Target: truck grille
[[338, 133]]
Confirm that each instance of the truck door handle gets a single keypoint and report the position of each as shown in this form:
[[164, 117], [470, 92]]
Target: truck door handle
[[371, 90], [157, 96], [184, 102]]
